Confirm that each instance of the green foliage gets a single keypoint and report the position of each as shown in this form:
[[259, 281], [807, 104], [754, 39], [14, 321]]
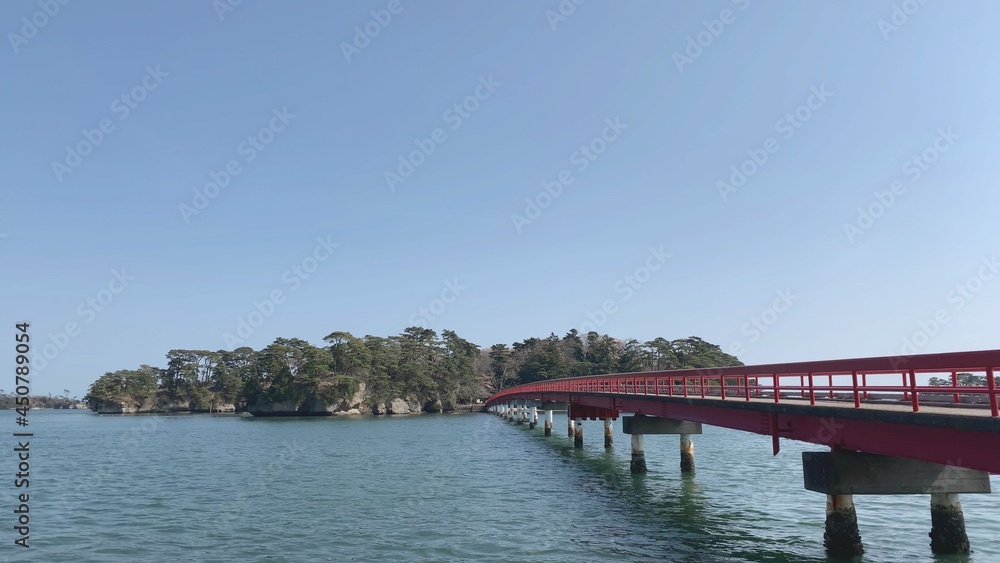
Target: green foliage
[[417, 364], [123, 387], [964, 380]]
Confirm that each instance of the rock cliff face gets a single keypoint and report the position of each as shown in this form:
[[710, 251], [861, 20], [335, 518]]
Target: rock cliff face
[[130, 405], [310, 406], [398, 406], [262, 407]]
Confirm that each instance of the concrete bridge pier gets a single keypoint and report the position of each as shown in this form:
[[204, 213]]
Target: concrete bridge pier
[[840, 474], [548, 422], [578, 433], [522, 414], [948, 524], [638, 463], [569, 425], [687, 454], [534, 418], [512, 412], [609, 432], [841, 537], [638, 425]]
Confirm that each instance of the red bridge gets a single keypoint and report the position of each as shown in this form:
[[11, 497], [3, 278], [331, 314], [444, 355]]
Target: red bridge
[[888, 430]]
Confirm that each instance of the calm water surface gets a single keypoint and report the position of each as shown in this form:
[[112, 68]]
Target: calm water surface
[[431, 488]]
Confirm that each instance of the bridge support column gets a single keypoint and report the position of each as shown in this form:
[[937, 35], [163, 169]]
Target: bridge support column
[[842, 473], [638, 464], [569, 424], [578, 434], [609, 432], [638, 425], [522, 414], [548, 422], [842, 538], [534, 418], [948, 524], [687, 454], [511, 413]]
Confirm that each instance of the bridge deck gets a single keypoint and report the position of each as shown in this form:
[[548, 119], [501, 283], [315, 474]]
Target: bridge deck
[[848, 409]]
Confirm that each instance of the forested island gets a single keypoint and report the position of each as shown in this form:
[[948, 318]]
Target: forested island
[[415, 371]]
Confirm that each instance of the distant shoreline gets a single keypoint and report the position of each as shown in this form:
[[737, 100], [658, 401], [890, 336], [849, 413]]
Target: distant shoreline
[[459, 409]]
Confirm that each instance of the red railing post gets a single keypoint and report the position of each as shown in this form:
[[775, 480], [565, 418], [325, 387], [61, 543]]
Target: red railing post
[[670, 387], [812, 392], [746, 387], [722, 384], [913, 391], [777, 387], [684, 385], [905, 384], [954, 385], [864, 383], [991, 386], [854, 385], [829, 381], [802, 384], [701, 383]]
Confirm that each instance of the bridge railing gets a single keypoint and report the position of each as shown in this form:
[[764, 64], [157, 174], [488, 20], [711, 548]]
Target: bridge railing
[[864, 380]]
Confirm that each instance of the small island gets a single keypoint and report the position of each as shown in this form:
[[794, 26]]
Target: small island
[[416, 371]]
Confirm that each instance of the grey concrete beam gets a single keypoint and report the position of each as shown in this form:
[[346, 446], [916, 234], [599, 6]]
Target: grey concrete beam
[[657, 425], [847, 472]]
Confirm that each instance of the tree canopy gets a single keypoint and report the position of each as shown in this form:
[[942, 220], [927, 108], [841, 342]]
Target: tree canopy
[[416, 364]]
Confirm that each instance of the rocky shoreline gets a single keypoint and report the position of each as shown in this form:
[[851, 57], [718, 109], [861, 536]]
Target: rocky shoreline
[[357, 405]]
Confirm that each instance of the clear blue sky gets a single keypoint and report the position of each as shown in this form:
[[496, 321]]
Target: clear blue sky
[[197, 85]]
